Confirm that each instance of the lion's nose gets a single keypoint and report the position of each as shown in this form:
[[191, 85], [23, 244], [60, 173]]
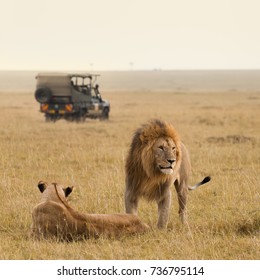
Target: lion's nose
[[171, 161]]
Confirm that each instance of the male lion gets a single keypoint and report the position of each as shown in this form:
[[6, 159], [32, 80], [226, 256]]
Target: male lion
[[156, 160], [54, 217]]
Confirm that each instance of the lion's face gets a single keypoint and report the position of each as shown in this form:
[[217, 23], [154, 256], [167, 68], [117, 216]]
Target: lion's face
[[165, 155]]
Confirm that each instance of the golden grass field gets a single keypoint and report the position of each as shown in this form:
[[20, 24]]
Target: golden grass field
[[221, 131]]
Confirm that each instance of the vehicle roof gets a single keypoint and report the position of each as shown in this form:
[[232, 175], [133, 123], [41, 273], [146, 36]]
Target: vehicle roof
[[69, 75]]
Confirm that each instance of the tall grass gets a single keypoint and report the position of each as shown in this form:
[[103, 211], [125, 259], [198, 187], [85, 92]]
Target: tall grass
[[221, 131]]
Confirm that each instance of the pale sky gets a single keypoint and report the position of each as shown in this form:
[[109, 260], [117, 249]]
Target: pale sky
[[125, 34]]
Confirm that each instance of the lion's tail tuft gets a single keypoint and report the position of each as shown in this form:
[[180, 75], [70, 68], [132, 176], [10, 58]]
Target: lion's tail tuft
[[204, 181]]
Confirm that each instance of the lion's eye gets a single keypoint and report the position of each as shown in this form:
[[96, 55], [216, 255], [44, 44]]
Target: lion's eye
[[161, 148], [173, 148]]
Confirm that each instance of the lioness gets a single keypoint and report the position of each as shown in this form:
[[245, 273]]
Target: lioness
[[54, 217], [156, 160]]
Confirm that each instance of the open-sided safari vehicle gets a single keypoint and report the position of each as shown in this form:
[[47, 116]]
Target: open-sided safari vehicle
[[70, 97]]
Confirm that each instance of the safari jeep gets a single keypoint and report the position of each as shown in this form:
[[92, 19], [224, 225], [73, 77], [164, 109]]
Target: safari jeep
[[70, 97]]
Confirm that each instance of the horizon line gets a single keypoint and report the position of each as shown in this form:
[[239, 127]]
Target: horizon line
[[130, 70]]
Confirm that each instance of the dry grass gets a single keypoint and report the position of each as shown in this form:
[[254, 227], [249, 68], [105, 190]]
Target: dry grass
[[221, 131]]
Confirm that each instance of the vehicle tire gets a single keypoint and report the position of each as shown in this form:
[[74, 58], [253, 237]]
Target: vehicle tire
[[50, 118], [43, 95], [47, 118], [81, 116], [105, 114]]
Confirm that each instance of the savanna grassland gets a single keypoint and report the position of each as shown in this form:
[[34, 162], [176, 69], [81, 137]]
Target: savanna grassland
[[221, 131]]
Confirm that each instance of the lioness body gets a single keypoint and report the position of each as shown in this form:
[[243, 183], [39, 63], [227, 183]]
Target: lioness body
[[157, 159], [54, 217]]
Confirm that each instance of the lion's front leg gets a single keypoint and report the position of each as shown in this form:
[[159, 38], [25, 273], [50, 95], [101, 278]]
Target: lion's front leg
[[181, 190], [164, 205], [131, 202]]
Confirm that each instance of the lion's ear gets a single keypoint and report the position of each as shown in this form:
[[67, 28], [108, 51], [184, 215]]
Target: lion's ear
[[42, 186], [68, 191], [143, 138]]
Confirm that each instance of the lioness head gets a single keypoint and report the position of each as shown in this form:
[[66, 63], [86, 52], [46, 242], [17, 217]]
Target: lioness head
[[164, 150], [54, 191]]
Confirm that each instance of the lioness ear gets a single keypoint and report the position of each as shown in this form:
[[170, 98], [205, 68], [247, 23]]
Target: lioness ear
[[42, 186], [68, 191]]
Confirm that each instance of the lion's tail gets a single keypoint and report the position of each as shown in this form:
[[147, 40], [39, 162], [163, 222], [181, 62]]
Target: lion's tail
[[204, 181]]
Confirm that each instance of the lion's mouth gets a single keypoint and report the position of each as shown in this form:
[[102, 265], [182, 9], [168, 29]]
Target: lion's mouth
[[165, 167]]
